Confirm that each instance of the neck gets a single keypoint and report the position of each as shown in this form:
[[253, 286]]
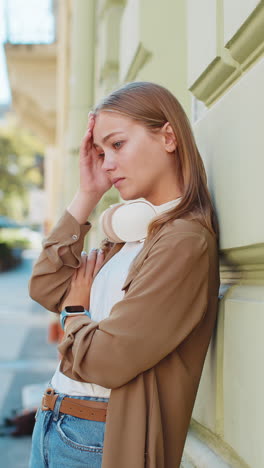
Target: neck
[[163, 192], [163, 199]]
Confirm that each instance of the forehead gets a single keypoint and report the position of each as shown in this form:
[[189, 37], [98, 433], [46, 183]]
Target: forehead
[[108, 122]]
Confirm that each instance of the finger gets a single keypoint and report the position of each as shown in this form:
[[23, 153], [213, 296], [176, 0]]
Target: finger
[[74, 276], [99, 261], [91, 120], [83, 262], [86, 143], [91, 261], [87, 136], [81, 269], [89, 130]]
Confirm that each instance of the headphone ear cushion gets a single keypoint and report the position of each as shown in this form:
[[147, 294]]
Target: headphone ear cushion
[[105, 222], [127, 222], [130, 221]]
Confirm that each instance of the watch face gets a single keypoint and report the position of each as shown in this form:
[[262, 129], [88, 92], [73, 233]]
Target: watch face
[[72, 309]]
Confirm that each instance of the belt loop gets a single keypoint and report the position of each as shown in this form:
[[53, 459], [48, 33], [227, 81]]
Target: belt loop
[[56, 409], [36, 414]]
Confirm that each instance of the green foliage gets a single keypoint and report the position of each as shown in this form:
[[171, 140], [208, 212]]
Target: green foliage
[[21, 168], [14, 238]]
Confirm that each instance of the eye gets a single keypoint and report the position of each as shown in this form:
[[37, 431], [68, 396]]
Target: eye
[[117, 144]]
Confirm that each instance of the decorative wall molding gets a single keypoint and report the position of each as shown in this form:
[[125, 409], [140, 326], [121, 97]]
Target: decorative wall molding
[[214, 80], [234, 58], [247, 45], [141, 57], [243, 265], [110, 68]]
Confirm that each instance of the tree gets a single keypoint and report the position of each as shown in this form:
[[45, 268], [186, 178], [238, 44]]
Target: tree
[[21, 169]]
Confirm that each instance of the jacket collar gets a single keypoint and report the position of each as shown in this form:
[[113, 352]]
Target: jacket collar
[[140, 257]]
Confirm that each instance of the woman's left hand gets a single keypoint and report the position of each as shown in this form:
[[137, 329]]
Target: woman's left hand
[[82, 280]]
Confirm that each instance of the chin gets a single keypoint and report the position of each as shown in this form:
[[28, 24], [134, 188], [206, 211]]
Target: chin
[[130, 196]]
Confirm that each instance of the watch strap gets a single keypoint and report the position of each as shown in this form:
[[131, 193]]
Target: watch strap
[[65, 314]]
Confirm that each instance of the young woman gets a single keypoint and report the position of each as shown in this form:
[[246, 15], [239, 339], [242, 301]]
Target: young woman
[[145, 308]]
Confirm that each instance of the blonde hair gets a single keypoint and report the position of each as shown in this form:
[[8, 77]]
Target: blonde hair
[[152, 105]]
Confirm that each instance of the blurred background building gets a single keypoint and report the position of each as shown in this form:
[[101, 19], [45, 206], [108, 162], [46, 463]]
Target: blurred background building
[[209, 53]]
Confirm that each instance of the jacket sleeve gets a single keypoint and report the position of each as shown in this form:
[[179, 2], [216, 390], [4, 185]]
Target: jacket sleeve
[[166, 300], [51, 277]]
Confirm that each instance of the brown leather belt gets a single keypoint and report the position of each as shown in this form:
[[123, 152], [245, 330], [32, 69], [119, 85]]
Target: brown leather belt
[[84, 409]]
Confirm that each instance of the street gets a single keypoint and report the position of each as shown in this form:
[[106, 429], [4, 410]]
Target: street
[[26, 357]]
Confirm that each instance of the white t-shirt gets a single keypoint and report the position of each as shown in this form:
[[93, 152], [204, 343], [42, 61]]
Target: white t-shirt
[[105, 292]]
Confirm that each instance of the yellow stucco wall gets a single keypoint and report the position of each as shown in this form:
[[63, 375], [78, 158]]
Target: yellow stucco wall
[[225, 72]]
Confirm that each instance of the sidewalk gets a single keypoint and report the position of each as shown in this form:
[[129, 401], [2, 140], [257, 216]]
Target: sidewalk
[[25, 355]]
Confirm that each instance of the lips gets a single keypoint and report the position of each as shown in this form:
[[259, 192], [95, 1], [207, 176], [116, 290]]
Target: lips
[[117, 179]]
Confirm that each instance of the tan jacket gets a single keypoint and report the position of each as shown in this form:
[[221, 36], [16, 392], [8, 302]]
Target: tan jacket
[[151, 349]]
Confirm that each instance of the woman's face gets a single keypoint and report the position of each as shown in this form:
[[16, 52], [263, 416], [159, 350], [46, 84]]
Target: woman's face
[[137, 156]]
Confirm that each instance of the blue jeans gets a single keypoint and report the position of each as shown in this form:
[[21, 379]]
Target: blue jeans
[[60, 440]]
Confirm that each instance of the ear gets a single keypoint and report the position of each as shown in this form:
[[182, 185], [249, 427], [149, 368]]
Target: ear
[[169, 138]]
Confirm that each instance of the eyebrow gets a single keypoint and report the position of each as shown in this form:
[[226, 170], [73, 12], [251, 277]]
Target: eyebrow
[[108, 136]]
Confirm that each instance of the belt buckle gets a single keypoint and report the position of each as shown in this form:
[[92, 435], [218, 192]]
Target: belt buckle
[[48, 392]]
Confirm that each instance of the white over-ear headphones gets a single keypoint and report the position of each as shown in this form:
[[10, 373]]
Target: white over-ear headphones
[[128, 222]]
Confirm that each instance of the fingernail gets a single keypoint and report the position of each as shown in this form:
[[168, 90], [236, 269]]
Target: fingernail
[[83, 253], [100, 251], [92, 250]]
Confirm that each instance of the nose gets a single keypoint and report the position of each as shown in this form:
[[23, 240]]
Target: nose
[[109, 163]]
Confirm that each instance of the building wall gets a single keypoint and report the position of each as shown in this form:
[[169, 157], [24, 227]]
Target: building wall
[[225, 73], [210, 55]]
